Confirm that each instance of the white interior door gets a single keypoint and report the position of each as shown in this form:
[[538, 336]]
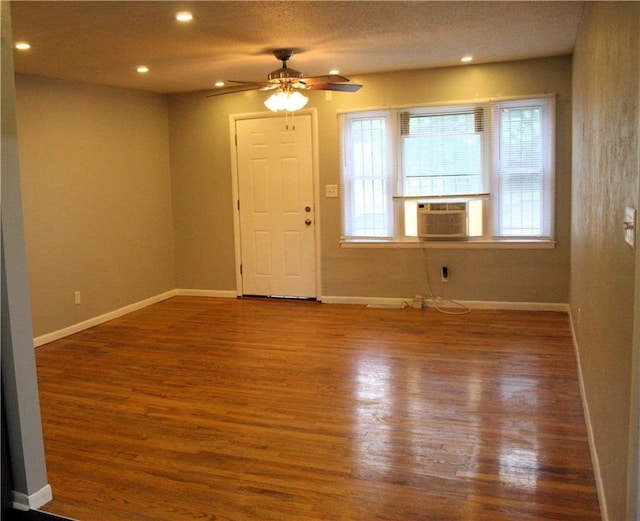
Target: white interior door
[[276, 206]]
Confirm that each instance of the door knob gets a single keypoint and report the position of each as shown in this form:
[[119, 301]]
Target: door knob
[[307, 209], [308, 222]]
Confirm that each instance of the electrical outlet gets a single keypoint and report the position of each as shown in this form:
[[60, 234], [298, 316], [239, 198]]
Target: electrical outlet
[[445, 274], [77, 298]]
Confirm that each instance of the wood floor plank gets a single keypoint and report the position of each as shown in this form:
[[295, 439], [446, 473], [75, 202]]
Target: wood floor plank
[[224, 409]]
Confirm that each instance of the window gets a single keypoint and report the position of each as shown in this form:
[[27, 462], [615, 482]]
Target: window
[[368, 176], [497, 157], [442, 152], [523, 169]]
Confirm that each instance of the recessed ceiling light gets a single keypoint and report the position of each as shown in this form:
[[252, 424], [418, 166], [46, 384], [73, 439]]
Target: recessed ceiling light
[[184, 16], [466, 59], [334, 71], [219, 83], [22, 46], [142, 69]]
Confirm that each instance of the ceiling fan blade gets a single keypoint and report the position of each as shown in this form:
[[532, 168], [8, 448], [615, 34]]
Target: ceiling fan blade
[[340, 87], [331, 78], [231, 90], [246, 82]]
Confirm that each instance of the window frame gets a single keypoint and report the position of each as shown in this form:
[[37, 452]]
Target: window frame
[[547, 106], [348, 203], [490, 212]]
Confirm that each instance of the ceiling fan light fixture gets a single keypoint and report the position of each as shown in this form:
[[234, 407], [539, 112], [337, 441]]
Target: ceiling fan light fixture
[[286, 100]]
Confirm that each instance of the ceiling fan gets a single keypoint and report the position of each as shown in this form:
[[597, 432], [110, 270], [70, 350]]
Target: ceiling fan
[[287, 83]]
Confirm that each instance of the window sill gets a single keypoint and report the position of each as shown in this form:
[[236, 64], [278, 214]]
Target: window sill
[[475, 244]]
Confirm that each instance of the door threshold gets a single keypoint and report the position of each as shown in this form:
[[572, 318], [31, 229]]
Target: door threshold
[[279, 297]]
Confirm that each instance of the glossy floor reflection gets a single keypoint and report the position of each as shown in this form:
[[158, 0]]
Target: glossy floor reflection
[[200, 408]]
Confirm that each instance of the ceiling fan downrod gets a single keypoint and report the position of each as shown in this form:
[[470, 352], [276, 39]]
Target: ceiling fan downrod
[[283, 55], [284, 73]]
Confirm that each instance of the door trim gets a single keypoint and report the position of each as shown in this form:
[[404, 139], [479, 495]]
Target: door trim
[[235, 191]]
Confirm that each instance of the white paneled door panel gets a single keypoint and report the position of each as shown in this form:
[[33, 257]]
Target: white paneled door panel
[[277, 222]]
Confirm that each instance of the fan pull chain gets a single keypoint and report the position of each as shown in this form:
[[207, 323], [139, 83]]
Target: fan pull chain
[[286, 120]]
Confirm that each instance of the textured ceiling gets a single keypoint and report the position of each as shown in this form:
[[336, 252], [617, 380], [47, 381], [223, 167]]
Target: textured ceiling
[[104, 42]]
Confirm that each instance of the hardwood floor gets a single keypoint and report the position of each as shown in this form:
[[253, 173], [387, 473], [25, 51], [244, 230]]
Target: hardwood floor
[[223, 409]]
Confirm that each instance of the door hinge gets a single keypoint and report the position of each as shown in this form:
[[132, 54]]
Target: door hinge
[[235, 139], [238, 204], [240, 269]]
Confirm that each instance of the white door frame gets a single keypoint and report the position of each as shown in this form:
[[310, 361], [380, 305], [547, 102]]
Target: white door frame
[[633, 474], [235, 192]]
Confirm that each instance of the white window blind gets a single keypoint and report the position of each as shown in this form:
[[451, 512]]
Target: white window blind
[[523, 150], [442, 151], [366, 176]]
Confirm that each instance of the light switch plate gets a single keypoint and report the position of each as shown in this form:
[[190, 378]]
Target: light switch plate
[[331, 190], [630, 226]]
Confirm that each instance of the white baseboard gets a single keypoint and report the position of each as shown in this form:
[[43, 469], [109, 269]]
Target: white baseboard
[[516, 306], [25, 502], [86, 324], [206, 293], [380, 302], [472, 304], [595, 461]]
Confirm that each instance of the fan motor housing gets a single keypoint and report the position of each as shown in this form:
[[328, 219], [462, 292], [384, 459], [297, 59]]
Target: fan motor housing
[[285, 73]]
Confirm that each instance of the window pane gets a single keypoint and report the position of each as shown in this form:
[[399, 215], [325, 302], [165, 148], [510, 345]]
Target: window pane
[[367, 179], [521, 204], [368, 147], [442, 155], [520, 172], [520, 139], [369, 208]]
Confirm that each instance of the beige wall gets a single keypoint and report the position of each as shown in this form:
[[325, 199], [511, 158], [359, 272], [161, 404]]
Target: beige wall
[[605, 180], [201, 171], [202, 201], [97, 198]]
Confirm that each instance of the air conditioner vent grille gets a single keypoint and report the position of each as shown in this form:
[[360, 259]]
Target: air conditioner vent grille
[[442, 220]]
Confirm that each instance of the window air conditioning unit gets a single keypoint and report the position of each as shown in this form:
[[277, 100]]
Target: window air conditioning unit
[[442, 220]]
